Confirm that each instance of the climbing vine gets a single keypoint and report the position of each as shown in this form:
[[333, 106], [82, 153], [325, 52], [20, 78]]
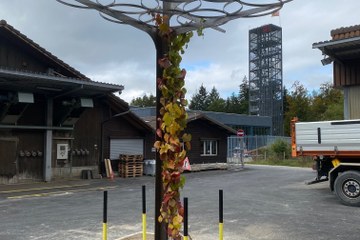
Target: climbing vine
[[173, 143]]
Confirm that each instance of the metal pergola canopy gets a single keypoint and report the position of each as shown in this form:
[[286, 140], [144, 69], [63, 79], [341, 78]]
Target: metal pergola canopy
[[184, 15]]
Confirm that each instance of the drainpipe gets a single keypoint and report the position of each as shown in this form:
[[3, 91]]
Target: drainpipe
[[48, 141]]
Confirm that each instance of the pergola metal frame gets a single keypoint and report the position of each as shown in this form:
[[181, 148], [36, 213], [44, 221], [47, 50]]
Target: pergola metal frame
[[187, 16], [184, 16]]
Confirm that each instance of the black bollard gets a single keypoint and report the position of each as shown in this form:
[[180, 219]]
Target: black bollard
[[105, 216]]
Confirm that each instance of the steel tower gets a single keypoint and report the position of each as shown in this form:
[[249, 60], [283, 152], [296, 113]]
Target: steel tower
[[265, 75]]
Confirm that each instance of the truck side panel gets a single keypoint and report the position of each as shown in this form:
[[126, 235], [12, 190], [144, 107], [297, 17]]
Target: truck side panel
[[328, 137]]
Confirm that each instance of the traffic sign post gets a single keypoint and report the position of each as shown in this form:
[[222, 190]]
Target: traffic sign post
[[241, 133]]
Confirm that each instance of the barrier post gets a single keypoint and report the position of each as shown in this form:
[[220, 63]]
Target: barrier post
[[144, 212], [221, 216], [105, 216], [186, 219]]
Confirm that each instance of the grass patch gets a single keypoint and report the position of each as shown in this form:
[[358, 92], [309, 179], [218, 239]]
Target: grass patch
[[279, 154], [306, 162]]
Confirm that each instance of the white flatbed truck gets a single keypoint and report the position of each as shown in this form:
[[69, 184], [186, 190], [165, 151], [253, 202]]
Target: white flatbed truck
[[335, 148]]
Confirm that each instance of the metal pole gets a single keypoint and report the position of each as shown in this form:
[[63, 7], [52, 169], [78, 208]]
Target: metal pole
[[160, 228], [221, 215], [186, 234], [144, 211], [242, 151], [105, 216]]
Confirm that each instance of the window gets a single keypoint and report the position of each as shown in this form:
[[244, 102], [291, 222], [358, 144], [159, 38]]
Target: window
[[209, 148]]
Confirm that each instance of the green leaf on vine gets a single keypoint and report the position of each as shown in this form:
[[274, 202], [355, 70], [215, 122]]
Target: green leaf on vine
[[186, 137]]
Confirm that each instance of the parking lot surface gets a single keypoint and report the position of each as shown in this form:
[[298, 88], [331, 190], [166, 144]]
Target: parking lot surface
[[260, 202]]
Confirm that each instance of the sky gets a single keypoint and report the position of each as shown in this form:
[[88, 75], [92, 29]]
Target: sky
[[115, 53]]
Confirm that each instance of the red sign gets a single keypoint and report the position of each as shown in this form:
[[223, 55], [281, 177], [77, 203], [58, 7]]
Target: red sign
[[240, 133]]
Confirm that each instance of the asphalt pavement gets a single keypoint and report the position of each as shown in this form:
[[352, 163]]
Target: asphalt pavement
[[260, 202]]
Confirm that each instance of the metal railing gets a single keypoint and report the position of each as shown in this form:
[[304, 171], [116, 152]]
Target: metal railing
[[239, 149]]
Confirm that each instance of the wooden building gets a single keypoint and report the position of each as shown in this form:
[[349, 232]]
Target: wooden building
[[54, 121], [209, 138], [344, 51]]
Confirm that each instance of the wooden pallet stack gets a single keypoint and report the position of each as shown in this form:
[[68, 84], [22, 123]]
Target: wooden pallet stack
[[130, 165]]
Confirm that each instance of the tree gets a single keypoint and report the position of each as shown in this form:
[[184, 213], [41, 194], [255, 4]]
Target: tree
[[216, 103], [244, 96], [232, 104], [199, 101], [328, 103], [298, 103], [322, 105], [144, 101]]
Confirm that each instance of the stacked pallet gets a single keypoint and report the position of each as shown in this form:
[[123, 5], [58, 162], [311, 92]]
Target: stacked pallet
[[130, 165]]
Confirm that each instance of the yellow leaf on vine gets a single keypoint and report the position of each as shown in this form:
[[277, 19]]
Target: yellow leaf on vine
[[172, 203], [171, 165], [157, 144], [186, 137], [166, 137], [188, 146], [177, 220]]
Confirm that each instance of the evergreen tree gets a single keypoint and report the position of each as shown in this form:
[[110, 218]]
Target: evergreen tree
[[199, 101], [216, 103], [144, 101], [244, 96], [233, 104]]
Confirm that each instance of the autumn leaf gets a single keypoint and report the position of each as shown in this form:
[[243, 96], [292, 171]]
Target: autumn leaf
[[186, 137], [164, 62], [159, 132], [157, 144], [171, 124]]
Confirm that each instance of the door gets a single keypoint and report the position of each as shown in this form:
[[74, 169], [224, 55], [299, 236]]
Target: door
[[8, 158], [126, 146]]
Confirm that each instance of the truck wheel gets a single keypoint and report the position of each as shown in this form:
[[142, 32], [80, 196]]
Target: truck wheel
[[347, 188]]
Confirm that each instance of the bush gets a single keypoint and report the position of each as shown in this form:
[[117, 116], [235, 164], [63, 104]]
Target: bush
[[279, 148], [274, 155]]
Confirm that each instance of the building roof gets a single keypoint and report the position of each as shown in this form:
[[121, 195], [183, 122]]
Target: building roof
[[235, 119], [122, 110], [55, 86], [151, 120], [344, 45], [222, 117], [69, 82]]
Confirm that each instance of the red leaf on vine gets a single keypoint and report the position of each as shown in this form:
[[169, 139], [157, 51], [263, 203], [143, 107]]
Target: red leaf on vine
[[175, 177], [159, 82], [167, 197], [182, 74], [159, 132], [181, 210], [164, 62], [163, 157]]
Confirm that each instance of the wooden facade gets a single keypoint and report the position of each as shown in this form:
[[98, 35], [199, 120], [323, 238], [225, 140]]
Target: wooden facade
[[344, 51], [54, 121], [347, 73], [202, 128]]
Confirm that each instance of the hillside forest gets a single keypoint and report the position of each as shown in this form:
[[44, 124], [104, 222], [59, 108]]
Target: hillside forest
[[325, 103]]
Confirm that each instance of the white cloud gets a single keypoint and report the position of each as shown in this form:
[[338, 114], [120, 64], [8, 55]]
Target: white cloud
[[110, 52]]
